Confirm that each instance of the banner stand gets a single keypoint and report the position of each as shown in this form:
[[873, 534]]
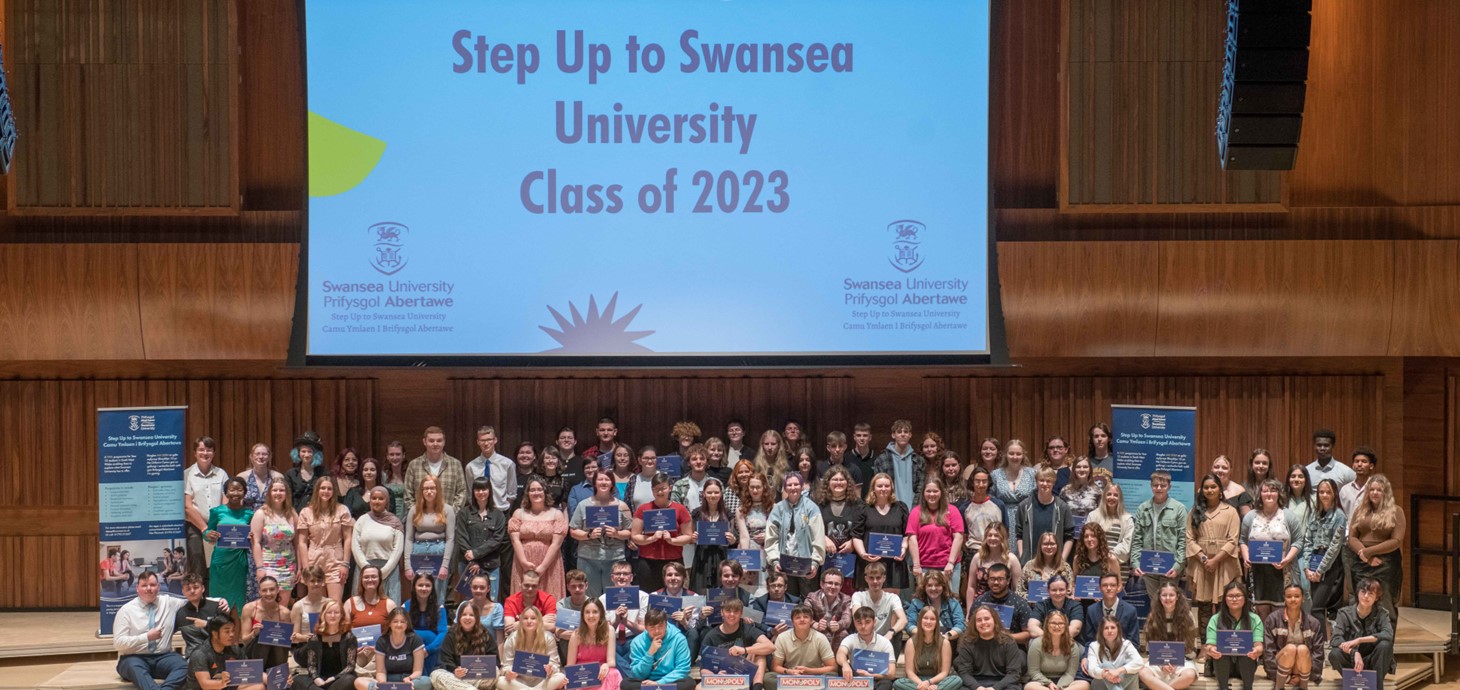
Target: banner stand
[[140, 455]]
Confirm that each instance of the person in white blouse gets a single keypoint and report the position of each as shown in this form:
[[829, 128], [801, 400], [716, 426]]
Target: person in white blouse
[[142, 636], [1111, 660]]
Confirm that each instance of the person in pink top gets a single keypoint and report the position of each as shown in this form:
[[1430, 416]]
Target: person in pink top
[[935, 533], [592, 643]]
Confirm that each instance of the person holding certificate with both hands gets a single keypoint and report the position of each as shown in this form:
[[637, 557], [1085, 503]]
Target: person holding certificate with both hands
[[1234, 638], [540, 665], [661, 529], [795, 538], [1268, 546]]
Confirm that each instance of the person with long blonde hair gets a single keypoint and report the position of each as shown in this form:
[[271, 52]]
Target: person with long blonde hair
[[995, 549], [884, 515], [430, 527], [325, 527], [531, 637], [1376, 529], [1119, 526], [772, 458], [276, 540], [1014, 479]]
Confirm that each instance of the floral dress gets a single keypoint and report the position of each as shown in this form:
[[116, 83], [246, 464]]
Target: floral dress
[[277, 545], [536, 533], [253, 500]]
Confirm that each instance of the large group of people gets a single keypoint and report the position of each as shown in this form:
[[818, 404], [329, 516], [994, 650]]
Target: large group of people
[[905, 564]]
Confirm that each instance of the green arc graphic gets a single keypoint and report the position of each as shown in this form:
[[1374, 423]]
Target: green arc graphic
[[340, 158]]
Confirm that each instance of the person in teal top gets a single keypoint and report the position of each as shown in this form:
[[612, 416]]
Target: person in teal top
[[660, 655], [229, 572], [1235, 614]]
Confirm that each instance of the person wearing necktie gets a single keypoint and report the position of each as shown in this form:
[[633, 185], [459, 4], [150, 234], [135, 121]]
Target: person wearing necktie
[[142, 636]]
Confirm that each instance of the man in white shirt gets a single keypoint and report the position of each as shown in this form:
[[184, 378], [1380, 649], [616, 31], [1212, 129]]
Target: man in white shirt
[[503, 471], [1364, 459], [1326, 467], [202, 492], [142, 636], [865, 620]]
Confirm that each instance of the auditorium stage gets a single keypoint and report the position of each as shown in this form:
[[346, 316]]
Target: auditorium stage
[[61, 650]]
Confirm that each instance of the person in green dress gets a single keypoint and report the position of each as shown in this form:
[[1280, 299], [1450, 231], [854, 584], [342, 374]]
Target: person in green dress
[[229, 572]]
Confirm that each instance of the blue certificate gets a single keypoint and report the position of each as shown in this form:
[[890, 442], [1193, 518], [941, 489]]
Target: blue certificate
[[885, 545], [1079, 522], [1158, 562], [426, 562], [1315, 560], [277, 678], [662, 519], [844, 562], [749, 559], [712, 533], [719, 595], [1006, 615], [276, 634], [312, 621], [366, 635], [1234, 641], [568, 619], [479, 666], [1261, 551], [672, 465], [244, 671], [796, 566], [778, 612], [582, 676], [233, 537], [1038, 590], [1359, 680], [870, 661], [1163, 653], [665, 603], [1087, 587], [530, 665], [600, 516], [614, 597]]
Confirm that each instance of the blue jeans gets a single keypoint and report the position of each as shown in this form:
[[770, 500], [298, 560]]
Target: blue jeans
[[141, 670], [598, 573]]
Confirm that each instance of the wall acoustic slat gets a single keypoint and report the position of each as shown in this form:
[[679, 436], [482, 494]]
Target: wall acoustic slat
[[1140, 90], [217, 301], [128, 106]]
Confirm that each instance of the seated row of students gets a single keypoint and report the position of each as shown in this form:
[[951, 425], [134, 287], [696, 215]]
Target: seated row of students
[[1064, 652]]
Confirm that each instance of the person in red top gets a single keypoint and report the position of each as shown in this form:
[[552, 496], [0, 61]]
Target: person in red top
[[529, 596], [656, 548]]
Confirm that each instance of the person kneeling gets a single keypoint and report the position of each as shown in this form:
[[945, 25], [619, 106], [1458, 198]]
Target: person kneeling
[[207, 664], [660, 655], [1363, 638]]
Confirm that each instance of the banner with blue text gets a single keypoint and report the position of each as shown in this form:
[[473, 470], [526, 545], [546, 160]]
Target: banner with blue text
[[1147, 438], [140, 453]]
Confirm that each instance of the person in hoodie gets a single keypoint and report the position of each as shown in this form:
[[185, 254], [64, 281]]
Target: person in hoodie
[[901, 462]]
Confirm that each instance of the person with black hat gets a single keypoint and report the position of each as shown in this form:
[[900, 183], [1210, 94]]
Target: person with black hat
[[308, 459]]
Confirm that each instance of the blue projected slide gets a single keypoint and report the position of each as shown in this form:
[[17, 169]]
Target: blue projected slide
[[701, 177]]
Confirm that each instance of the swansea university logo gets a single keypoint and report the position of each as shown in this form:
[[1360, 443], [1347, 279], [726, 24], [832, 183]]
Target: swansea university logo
[[390, 245], [906, 238]]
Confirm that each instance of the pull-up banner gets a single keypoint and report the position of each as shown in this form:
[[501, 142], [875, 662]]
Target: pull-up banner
[[1149, 438], [140, 500]]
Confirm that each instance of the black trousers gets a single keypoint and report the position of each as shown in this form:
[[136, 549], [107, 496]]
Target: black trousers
[[1378, 657], [1243, 666], [344, 681]]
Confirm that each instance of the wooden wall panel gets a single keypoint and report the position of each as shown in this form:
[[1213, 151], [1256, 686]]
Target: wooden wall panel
[[217, 301], [1319, 298], [272, 116], [1064, 299], [69, 302], [1426, 299], [1142, 80], [124, 105]]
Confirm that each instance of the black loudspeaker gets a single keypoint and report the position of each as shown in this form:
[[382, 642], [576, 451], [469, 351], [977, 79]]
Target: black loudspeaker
[[1264, 83]]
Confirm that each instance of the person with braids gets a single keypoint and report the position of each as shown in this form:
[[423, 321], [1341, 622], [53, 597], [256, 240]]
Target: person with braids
[[1376, 529], [1211, 546], [1170, 621], [1293, 642]]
